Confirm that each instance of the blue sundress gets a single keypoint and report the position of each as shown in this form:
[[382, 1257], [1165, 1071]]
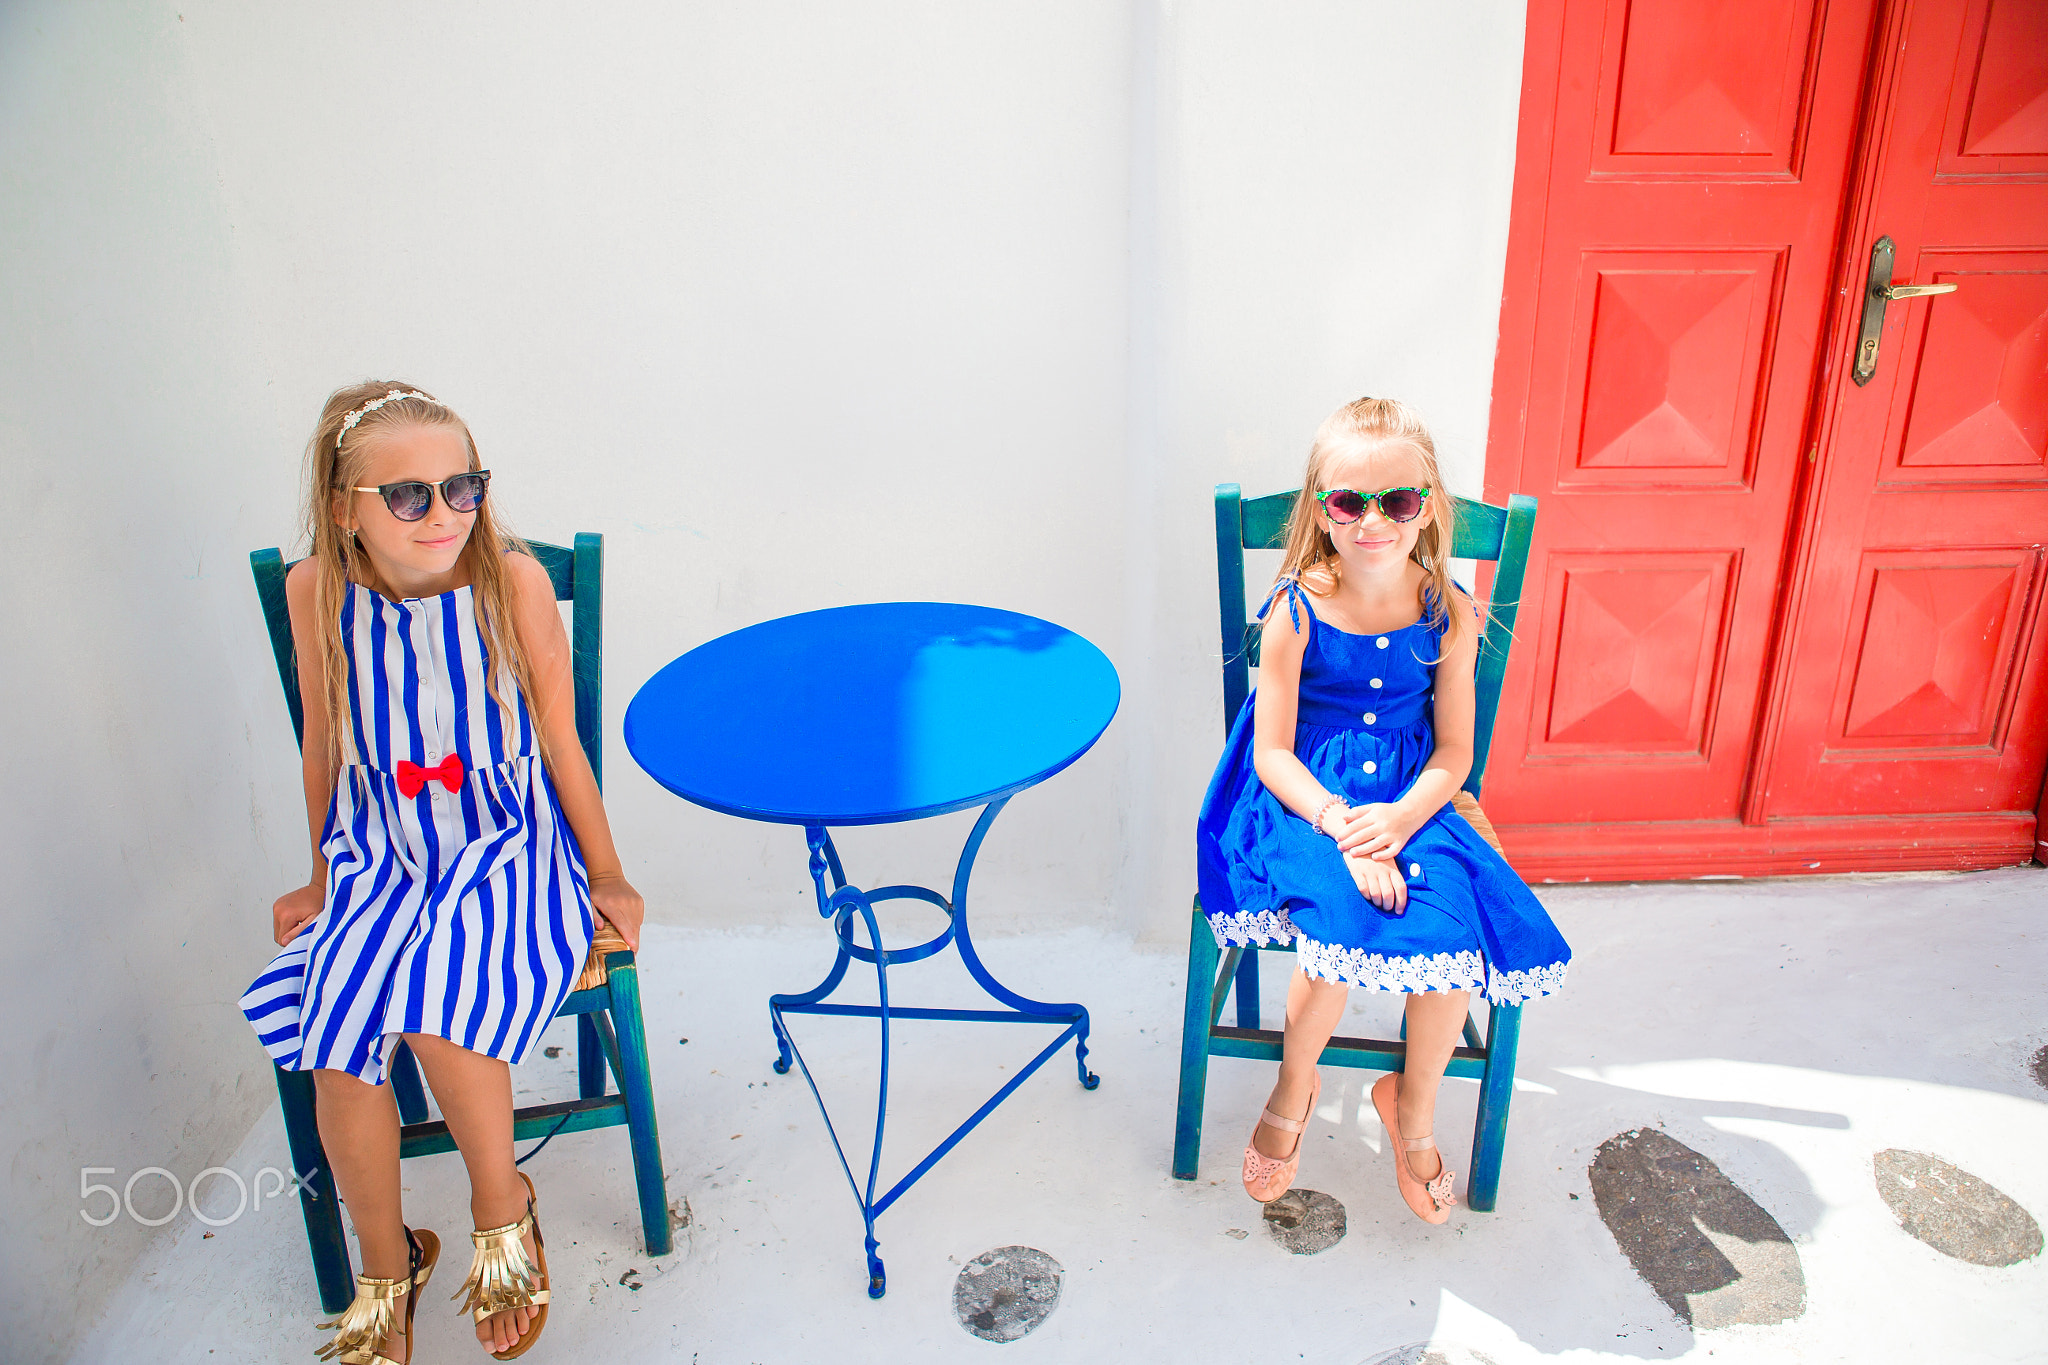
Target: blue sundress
[[461, 911], [1363, 727]]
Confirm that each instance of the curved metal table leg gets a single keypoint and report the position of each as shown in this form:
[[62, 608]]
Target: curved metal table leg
[[823, 857], [1077, 1013], [840, 905]]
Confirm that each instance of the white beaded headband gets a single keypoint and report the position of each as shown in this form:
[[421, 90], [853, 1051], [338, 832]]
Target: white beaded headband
[[348, 423]]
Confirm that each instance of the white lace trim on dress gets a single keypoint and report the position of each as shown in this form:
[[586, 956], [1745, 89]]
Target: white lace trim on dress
[[1460, 971], [1265, 927], [1515, 988]]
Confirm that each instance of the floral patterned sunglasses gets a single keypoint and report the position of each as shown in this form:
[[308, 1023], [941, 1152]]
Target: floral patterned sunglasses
[[1345, 505]]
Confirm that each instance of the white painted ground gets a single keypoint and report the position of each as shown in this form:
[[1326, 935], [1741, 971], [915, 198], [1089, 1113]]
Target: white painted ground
[[1787, 1029]]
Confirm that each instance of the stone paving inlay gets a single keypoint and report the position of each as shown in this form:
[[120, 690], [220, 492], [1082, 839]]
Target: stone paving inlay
[[1707, 1249], [1306, 1221], [1432, 1353], [1953, 1211], [1005, 1294]]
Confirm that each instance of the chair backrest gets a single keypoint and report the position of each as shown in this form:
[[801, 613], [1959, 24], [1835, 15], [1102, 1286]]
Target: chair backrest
[[578, 576], [1480, 530]]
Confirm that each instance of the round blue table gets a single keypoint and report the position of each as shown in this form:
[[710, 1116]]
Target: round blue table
[[871, 715]]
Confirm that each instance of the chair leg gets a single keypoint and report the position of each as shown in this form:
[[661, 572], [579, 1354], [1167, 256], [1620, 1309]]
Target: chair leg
[[332, 1271], [590, 1067], [405, 1081], [1248, 988], [636, 1083], [1496, 1093], [608, 1041], [1194, 1048]]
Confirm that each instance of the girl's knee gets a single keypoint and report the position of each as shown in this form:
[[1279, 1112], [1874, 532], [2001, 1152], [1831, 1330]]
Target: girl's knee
[[1445, 999], [434, 1050], [1321, 989], [333, 1082], [330, 1075]]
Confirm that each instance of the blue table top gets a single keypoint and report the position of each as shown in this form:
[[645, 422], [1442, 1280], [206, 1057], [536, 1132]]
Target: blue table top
[[871, 714]]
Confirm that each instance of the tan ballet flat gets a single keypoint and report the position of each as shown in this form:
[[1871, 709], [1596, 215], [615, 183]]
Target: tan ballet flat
[[1266, 1178], [1428, 1200]]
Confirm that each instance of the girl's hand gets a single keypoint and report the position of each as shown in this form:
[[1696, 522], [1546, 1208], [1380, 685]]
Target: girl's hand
[[294, 910], [1379, 830], [614, 898], [1379, 882]]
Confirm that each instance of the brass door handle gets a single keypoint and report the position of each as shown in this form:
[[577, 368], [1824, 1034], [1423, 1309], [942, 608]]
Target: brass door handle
[[1877, 292], [1895, 292]]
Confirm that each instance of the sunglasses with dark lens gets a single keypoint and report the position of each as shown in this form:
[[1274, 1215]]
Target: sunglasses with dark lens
[[410, 500], [1345, 505]]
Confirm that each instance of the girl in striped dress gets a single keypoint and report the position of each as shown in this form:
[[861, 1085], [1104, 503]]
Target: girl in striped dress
[[460, 848]]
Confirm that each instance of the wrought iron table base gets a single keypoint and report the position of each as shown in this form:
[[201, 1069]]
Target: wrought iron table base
[[840, 905]]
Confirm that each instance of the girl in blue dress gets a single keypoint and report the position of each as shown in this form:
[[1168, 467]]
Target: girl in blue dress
[[461, 856], [1328, 823]]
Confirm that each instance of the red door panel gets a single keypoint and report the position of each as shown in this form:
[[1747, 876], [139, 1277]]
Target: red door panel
[[1915, 675], [1933, 651], [1978, 408], [1716, 89], [1650, 627], [1669, 359], [1997, 123]]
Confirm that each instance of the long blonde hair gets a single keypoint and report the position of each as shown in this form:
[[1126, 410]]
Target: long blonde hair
[[1371, 424], [335, 464]]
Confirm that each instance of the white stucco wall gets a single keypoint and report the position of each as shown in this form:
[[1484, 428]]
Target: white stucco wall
[[1320, 207], [798, 304]]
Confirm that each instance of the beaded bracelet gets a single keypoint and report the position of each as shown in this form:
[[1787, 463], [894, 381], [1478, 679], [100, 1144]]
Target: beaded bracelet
[[1328, 806]]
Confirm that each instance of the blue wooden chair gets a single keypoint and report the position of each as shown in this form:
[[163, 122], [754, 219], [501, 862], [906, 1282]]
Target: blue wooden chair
[[1481, 531], [605, 999]]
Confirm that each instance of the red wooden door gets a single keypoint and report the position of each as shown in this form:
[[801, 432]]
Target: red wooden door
[[1677, 209], [1780, 620], [1915, 681]]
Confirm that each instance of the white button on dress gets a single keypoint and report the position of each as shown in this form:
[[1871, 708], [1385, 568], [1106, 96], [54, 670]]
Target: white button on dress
[[1371, 766], [1415, 869], [1382, 642], [1375, 682], [1371, 719]]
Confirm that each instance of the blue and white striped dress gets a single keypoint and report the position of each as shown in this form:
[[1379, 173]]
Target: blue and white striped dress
[[464, 914]]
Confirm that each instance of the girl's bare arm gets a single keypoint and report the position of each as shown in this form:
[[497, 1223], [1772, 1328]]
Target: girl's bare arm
[[1281, 648], [295, 908], [539, 623], [1451, 760]]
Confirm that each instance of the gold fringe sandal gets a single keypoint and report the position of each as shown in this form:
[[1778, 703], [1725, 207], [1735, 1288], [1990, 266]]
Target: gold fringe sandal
[[371, 1318], [502, 1278]]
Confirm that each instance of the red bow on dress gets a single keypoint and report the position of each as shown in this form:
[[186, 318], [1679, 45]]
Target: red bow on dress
[[411, 776]]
